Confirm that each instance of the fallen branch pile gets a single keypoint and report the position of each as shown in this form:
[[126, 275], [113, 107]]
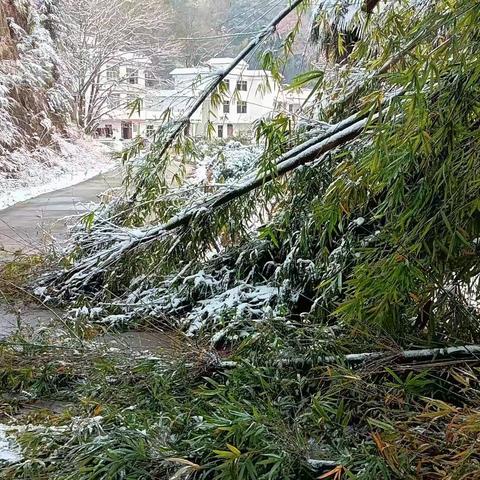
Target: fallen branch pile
[[81, 274]]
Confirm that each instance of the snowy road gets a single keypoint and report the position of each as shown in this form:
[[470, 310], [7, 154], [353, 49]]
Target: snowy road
[[30, 225]]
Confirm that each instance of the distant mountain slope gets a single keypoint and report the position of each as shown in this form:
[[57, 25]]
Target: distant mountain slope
[[210, 28], [218, 27]]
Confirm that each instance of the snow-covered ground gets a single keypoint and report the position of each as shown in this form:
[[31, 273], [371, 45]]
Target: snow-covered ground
[[25, 175], [9, 452]]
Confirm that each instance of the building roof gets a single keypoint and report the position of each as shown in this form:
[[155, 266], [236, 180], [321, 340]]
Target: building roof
[[190, 71], [226, 61], [255, 73], [298, 94], [213, 63]]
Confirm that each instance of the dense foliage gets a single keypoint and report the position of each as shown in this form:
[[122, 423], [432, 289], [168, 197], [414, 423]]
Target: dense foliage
[[382, 232], [372, 245]]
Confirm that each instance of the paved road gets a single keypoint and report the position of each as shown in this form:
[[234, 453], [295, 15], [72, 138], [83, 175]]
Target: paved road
[[29, 225], [32, 224]]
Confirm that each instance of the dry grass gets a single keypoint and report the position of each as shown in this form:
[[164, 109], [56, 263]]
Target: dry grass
[[16, 273]]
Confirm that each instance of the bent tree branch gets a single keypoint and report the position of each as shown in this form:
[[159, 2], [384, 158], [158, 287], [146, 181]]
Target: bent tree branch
[[221, 75], [86, 269]]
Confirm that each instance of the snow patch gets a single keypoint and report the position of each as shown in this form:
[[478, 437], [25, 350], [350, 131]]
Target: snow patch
[[244, 300], [29, 174], [226, 163], [9, 451]]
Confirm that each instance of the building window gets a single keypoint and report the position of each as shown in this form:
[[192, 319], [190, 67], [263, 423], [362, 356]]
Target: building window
[[132, 76], [241, 107], [220, 131], [150, 130], [113, 73], [114, 100], [242, 85], [226, 106], [150, 79], [229, 130]]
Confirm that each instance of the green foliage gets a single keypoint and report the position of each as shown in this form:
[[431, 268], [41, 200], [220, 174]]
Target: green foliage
[[387, 225], [180, 414], [373, 246], [15, 274]]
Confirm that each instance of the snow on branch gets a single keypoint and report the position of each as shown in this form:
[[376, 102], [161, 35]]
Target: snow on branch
[[221, 75], [81, 274], [359, 359]]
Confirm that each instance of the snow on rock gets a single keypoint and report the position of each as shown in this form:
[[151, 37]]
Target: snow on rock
[[34, 99], [27, 174]]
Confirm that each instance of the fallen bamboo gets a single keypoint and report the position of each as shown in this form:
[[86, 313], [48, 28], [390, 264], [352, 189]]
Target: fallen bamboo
[[338, 135], [356, 359]]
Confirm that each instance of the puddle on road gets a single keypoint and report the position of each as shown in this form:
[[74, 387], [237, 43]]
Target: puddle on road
[[13, 317], [34, 317]]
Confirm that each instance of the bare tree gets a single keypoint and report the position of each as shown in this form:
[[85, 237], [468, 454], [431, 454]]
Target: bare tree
[[109, 34]]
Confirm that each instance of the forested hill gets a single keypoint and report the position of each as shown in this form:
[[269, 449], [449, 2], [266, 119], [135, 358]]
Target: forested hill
[[209, 28], [202, 20]]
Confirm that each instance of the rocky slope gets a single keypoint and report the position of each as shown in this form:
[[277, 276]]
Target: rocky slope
[[33, 95]]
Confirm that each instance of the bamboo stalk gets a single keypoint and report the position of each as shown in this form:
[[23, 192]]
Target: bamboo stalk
[[355, 359], [221, 75], [90, 267]]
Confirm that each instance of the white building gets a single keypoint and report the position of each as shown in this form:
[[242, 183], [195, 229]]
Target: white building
[[126, 83], [293, 101], [245, 96]]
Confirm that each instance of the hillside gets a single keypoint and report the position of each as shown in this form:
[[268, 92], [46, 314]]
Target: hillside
[[222, 28], [34, 97], [38, 149]]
